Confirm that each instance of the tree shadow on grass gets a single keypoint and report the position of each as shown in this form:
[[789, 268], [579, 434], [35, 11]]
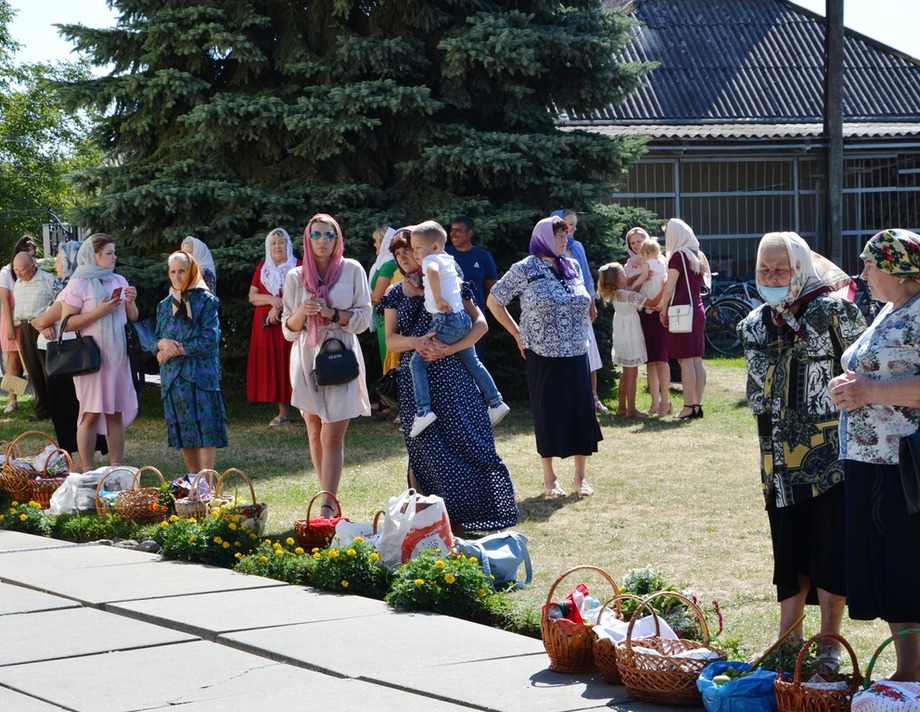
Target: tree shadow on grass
[[540, 509]]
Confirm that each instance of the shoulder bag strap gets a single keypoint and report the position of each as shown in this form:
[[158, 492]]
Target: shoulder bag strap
[[686, 279]]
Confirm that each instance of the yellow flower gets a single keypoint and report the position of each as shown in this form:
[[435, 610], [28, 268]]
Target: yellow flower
[[192, 539], [237, 555], [276, 545], [263, 559], [163, 525], [440, 563], [344, 584], [2, 517], [290, 541], [231, 526], [14, 504], [359, 540], [253, 537], [23, 517], [223, 509], [298, 551], [193, 520], [333, 553], [317, 555], [217, 540], [375, 556], [174, 518], [236, 543], [267, 542], [12, 510], [474, 560], [314, 549], [34, 504], [214, 514], [481, 592], [226, 544], [419, 582], [279, 552], [351, 552], [449, 578]]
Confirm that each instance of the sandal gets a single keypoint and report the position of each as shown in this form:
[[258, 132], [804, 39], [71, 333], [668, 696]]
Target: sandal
[[554, 491], [828, 662], [584, 489], [280, 420], [636, 415], [686, 413]]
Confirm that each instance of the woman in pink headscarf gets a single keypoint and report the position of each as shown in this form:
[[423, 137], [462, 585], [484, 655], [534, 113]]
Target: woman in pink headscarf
[[326, 298]]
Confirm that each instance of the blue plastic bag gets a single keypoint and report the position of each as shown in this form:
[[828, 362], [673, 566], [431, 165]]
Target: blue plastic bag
[[753, 693], [500, 556]]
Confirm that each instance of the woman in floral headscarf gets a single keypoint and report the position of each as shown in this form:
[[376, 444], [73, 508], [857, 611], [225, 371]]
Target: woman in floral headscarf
[[879, 398], [326, 298], [268, 372], [188, 350], [99, 303], [792, 345]]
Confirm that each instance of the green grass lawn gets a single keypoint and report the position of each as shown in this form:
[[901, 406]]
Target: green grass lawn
[[682, 497]]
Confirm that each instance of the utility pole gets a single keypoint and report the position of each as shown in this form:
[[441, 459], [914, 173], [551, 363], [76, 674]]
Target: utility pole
[[833, 128]]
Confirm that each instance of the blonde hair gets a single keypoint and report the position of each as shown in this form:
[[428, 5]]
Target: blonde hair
[[650, 246], [607, 278], [377, 234], [432, 232]]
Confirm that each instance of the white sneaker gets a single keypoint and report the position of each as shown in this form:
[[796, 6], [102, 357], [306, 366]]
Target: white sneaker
[[421, 422], [11, 406], [498, 412]]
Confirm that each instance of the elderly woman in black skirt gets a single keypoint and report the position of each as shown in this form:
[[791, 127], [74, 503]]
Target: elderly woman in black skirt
[[552, 337]]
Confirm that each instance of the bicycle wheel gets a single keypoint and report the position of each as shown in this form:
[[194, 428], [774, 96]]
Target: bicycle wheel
[[722, 319]]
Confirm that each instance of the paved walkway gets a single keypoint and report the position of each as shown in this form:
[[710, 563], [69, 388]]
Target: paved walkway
[[93, 628]]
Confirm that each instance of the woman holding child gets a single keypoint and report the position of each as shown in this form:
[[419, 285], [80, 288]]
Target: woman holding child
[[454, 457], [792, 345], [552, 337], [326, 298]]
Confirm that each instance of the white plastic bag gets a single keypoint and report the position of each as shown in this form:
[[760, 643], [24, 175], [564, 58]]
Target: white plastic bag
[[412, 524], [346, 532], [78, 492]]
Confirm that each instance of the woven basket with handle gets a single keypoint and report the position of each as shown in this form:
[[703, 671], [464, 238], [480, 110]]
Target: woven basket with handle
[[43, 487], [196, 505], [793, 696], [570, 645], [605, 650], [252, 517], [16, 477], [141, 504], [317, 532]]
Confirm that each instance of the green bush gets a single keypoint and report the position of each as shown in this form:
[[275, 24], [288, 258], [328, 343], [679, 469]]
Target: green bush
[[215, 540], [89, 527], [26, 517], [273, 560], [354, 568]]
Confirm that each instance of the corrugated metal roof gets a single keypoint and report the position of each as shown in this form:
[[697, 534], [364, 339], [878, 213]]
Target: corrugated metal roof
[[755, 61], [863, 130]]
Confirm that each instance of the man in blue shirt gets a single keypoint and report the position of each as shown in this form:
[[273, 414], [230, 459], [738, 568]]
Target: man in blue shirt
[[477, 264]]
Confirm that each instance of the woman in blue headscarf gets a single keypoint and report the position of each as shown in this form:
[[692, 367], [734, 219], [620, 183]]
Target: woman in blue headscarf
[[99, 304], [552, 337]]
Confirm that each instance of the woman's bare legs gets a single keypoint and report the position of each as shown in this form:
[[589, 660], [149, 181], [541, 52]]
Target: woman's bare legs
[[115, 438], [86, 440], [327, 450], [14, 368], [908, 651], [549, 474], [663, 369], [199, 458], [654, 388]]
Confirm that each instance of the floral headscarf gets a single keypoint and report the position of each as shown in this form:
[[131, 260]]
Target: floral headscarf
[[896, 252], [68, 251], [543, 244], [318, 287], [273, 275], [88, 269], [806, 284], [193, 280]]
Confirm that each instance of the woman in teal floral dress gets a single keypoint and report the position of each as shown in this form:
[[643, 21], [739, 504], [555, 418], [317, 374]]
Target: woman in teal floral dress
[[188, 347], [792, 345]]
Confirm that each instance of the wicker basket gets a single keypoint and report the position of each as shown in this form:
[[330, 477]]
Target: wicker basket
[[253, 516], [662, 677], [881, 689], [793, 696], [16, 479], [103, 508], [570, 645], [605, 651], [316, 533], [141, 504], [43, 487], [196, 506]]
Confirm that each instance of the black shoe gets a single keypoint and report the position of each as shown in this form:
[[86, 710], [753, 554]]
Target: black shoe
[[36, 418], [697, 411]]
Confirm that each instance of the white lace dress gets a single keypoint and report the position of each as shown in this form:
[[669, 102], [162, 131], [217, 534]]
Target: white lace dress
[[628, 342]]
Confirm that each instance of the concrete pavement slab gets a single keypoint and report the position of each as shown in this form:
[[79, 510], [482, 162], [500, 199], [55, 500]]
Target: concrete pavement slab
[[164, 676], [16, 702], [211, 614], [99, 574], [353, 646], [16, 599], [328, 694], [77, 631], [17, 541]]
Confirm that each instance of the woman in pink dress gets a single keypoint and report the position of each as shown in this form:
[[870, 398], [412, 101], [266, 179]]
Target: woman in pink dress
[[99, 303], [9, 332]]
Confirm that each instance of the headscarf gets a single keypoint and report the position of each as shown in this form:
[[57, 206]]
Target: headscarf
[[805, 286], [318, 287], [68, 251], [181, 309], [383, 256], [88, 269], [896, 252], [202, 255], [679, 237], [630, 266], [543, 244], [273, 275]]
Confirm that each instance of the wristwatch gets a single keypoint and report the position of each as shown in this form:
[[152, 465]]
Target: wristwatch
[[335, 315]]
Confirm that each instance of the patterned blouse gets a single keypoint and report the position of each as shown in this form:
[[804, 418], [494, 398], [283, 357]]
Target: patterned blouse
[[787, 391], [888, 350], [554, 312]]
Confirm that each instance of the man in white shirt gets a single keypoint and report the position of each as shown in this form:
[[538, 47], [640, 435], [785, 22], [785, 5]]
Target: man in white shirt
[[33, 293]]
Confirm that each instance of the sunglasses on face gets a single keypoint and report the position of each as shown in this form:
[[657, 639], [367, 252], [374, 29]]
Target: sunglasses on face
[[327, 236]]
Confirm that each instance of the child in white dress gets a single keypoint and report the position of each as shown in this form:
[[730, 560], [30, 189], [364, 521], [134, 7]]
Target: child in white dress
[[628, 349], [649, 283]]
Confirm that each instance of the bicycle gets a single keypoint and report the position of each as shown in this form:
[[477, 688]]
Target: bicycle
[[726, 304]]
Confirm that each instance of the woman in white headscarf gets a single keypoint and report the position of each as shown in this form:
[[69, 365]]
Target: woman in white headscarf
[[793, 344], [197, 249], [687, 271], [99, 303], [268, 372]]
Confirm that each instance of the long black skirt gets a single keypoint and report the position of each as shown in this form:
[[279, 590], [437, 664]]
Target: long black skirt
[[883, 545], [562, 404]]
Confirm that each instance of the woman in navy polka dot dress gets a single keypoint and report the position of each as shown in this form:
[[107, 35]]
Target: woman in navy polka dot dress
[[454, 457]]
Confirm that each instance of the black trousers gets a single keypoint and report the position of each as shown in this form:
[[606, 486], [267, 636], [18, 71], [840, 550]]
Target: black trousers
[[34, 362]]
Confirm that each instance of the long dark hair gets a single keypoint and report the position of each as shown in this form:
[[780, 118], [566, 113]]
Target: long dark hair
[[24, 244]]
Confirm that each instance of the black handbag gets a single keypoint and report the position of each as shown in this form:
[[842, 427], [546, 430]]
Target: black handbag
[[388, 388], [335, 364], [75, 357], [909, 464]]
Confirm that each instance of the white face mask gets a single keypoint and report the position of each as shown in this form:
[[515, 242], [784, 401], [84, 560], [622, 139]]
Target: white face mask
[[774, 296]]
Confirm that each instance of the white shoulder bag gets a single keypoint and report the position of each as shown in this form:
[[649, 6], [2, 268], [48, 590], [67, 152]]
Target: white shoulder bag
[[680, 316]]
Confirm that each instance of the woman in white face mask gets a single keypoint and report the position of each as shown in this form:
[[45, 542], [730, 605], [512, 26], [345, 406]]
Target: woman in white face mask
[[792, 345]]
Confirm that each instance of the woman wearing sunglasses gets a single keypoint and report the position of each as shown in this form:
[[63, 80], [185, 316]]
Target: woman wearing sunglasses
[[326, 298]]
